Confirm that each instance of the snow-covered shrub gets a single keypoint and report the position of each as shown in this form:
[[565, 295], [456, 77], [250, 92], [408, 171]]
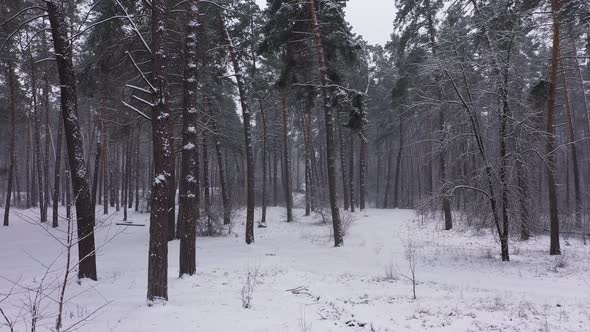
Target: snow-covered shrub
[[211, 226], [411, 254], [347, 219], [391, 272], [250, 282]]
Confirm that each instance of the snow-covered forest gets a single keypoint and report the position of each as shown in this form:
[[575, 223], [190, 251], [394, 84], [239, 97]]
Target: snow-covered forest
[[217, 165]]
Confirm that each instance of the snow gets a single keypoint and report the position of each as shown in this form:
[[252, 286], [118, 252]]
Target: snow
[[303, 281], [159, 179], [189, 146]]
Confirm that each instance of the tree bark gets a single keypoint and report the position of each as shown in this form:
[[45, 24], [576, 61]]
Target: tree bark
[[69, 104], [329, 123], [363, 172], [345, 181], [38, 160], [98, 155], [308, 171], [554, 247], [287, 164], [388, 179], [189, 194], [221, 169], [11, 147], [398, 164], [573, 149], [136, 175], [351, 172], [264, 164], [28, 181], [523, 194], [105, 174], [250, 176], [46, 152], [163, 157], [56, 184], [172, 188], [206, 185]]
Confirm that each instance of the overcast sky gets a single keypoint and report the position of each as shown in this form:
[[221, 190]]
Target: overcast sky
[[373, 19]]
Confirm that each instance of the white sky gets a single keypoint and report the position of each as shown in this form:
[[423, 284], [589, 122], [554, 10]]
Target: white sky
[[372, 19]]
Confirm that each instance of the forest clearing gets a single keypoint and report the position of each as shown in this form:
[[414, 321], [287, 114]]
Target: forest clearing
[[294, 165], [301, 281]]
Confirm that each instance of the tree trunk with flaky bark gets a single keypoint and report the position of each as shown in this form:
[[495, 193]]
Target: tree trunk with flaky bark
[[163, 157], [189, 195], [329, 123], [69, 104], [554, 247]]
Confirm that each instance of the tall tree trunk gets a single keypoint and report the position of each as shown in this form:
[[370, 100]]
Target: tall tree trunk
[[363, 172], [163, 157], [221, 169], [11, 146], [127, 179], [137, 150], [112, 166], [117, 177], [308, 171], [398, 164], [345, 181], [105, 173], [37, 151], [206, 184], [554, 247], [504, 118], [69, 104], [28, 181], [275, 176], [172, 188], [351, 171], [446, 204], [189, 193], [98, 155], [523, 194], [68, 191], [56, 184], [287, 164], [388, 179], [573, 149], [46, 152], [328, 112], [264, 164], [250, 177]]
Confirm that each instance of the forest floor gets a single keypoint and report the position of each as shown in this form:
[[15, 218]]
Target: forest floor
[[302, 283]]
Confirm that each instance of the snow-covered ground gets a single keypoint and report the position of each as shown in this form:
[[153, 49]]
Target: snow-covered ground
[[303, 283]]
